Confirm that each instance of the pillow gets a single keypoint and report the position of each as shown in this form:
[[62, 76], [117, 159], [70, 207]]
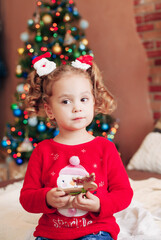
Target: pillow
[[148, 156]]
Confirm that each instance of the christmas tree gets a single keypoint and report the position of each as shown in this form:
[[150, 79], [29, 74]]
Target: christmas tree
[[55, 27]]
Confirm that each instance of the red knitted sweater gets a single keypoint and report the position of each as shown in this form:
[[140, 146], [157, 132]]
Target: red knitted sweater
[[44, 169]]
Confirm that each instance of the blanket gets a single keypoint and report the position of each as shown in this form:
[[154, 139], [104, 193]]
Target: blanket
[[140, 221]]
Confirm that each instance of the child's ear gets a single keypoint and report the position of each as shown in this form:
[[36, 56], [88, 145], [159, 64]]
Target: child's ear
[[48, 111]]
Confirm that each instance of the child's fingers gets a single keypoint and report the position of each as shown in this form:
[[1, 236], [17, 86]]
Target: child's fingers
[[89, 203], [63, 201], [90, 195], [65, 198], [81, 204], [60, 193], [80, 200], [57, 192]]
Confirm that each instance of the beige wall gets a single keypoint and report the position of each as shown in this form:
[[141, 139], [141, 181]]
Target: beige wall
[[118, 52]]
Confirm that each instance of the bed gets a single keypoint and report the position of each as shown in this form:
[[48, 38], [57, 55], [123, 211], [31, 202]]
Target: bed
[[140, 221]]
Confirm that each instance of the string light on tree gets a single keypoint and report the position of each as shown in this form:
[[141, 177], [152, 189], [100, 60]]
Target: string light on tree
[[47, 19], [84, 41], [67, 18]]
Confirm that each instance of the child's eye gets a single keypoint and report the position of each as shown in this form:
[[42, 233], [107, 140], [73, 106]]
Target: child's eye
[[66, 101], [84, 99]]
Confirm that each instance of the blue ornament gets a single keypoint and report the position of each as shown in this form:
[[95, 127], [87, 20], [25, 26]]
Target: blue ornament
[[73, 29], [17, 112], [56, 132], [76, 37], [70, 9], [105, 126], [41, 127], [75, 12], [19, 161], [61, 40], [110, 139], [14, 144], [4, 143], [24, 75], [54, 56], [33, 57]]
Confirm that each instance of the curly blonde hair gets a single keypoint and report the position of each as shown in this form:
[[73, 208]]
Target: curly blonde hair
[[40, 88]]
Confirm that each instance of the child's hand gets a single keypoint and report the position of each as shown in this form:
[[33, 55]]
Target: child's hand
[[89, 203], [57, 198]]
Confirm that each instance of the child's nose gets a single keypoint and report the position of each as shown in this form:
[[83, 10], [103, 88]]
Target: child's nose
[[77, 107]]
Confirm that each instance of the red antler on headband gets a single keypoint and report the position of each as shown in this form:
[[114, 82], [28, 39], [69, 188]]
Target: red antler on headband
[[45, 55]]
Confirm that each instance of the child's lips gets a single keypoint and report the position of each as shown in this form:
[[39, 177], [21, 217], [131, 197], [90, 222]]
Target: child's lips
[[78, 118]]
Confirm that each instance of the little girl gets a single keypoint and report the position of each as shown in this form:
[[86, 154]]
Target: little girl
[[60, 168]]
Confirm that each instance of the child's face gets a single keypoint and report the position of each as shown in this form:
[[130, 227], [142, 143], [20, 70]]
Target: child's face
[[71, 103]]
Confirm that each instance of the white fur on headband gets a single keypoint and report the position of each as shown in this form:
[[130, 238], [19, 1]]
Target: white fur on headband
[[44, 67], [78, 64]]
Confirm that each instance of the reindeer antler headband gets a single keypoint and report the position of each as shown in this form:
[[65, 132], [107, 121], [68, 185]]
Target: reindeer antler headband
[[43, 66]]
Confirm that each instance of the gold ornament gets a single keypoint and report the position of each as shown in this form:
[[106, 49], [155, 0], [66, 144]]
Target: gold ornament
[[47, 19], [84, 41], [20, 51], [66, 18], [18, 69], [57, 49]]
